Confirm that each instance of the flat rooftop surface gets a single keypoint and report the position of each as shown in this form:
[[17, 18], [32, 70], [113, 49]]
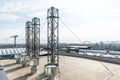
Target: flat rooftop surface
[[71, 68]]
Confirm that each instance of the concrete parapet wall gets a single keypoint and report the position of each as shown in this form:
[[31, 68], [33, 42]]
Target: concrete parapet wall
[[99, 58]]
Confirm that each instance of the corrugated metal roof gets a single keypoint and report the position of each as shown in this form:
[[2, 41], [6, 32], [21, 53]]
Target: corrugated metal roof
[[11, 51]]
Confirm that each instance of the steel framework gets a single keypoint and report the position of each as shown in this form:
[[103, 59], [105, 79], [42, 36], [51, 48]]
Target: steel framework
[[52, 35], [35, 36], [28, 38]]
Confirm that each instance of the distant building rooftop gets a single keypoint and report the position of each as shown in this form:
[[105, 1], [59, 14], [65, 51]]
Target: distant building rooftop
[[11, 51]]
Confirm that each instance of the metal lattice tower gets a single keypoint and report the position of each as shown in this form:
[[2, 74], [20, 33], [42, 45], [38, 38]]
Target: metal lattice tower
[[52, 35], [35, 36], [28, 37]]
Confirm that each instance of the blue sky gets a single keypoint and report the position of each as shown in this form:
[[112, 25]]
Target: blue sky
[[90, 20]]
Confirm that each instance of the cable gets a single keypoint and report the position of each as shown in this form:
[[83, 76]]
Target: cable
[[62, 41], [112, 74], [42, 26], [21, 36], [70, 30], [42, 29]]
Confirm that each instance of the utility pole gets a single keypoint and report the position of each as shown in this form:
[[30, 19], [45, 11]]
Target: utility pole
[[15, 36]]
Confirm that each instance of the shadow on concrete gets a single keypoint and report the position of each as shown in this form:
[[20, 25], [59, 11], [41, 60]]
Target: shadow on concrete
[[14, 69], [7, 65], [24, 77], [40, 77]]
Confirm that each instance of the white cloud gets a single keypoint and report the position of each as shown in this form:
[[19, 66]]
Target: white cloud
[[21, 5], [89, 19], [11, 6], [6, 33], [8, 17]]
